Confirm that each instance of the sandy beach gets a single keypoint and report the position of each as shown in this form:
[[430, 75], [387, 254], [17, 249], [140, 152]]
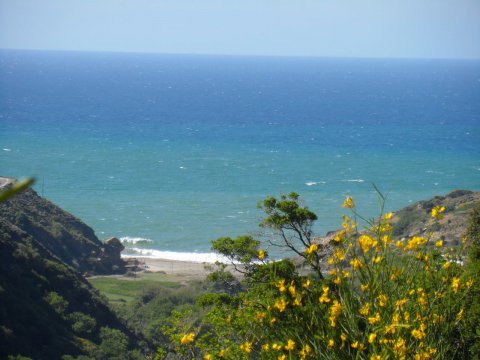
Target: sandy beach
[[181, 269]]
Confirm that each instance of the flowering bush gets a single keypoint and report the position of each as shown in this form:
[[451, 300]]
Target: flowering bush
[[371, 298]]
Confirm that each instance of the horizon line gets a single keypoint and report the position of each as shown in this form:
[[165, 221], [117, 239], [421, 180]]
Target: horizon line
[[242, 55]]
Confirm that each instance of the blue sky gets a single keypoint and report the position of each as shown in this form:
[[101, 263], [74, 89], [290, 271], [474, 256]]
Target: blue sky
[[351, 28]]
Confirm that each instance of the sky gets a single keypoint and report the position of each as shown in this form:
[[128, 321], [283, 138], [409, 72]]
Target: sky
[[338, 28]]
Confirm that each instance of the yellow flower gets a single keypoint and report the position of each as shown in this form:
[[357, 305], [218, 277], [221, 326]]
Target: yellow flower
[[372, 337], [418, 334], [335, 311], [281, 304], [469, 283], [324, 297], [339, 236], [437, 211], [260, 315], [460, 315], [415, 242], [281, 285], [311, 249], [339, 254], [297, 301], [261, 254], [388, 216], [306, 351], [375, 357], [377, 259], [266, 347], [382, 300], [365, 242], [401, 302], [446, 264], [276, 346], [282, 357], [306, 284], [337, 280], [222, 353], [348, 203], [365, 309], [364, 287], [207, 357], [439, 243], [455, 284], [246, 347], [187, 338], [331, 343], [356, 264], [292, 289], [357, 345], [290, 345], [374, 319]]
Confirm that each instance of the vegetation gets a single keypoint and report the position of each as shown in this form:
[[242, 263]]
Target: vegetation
[[375, 298]]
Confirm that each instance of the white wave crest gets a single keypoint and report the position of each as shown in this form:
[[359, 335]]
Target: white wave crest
[[312, 183], [134, 240], [172, 255], [354, 180]]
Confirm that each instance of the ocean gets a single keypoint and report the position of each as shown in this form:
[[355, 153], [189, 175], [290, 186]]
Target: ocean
[[169, 152]]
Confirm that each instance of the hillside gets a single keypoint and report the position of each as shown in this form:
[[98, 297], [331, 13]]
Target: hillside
[[61, 233], [47, 308]]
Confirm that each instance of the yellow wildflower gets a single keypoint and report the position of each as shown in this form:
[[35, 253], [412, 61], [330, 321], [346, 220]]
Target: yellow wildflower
[[281, 285], [437, 212], [375, 357], [377, 259], [365, 242], [306, 351], [372, 337], [335, 311], [207, 357], [339, 254], [388, 216], [331, 343], [306, 284], [187, 338], [365, 309], [311, 249], [455, 284], [337, 280], [357, 345], [281, 304], [401, 302], [290, 345], [446, 264], [364, 287], [374, 319], [298, 300], [246, 347], [399, 244], [260, 315], [348, 203], [415, 242], [266, 347], [222, 353], [382, 300], [418, 334], [282, 357], [339, 236], [324, 297], [439, 243], [276, 346], [292, 289], [356, 264], [460, 315], [261, 254], [469, 283]]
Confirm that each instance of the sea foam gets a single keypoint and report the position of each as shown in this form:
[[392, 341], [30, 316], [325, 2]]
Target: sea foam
[[172, 255]]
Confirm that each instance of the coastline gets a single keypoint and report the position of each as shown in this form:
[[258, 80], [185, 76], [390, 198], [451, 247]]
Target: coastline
[[181, 269]]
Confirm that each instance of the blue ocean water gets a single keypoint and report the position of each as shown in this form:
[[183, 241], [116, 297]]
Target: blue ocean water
[[177, 150]]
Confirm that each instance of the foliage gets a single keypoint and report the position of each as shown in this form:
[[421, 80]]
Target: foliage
[[378, 299]]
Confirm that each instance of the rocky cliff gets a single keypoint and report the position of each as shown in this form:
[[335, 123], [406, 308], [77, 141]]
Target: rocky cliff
[[61, 233]]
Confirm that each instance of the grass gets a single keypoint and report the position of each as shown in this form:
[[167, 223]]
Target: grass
[[126, 289]]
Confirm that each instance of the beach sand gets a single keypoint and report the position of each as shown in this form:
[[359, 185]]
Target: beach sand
[[176, 268]]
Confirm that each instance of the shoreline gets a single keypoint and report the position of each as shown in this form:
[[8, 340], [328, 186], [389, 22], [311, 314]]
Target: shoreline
[[177, 268]]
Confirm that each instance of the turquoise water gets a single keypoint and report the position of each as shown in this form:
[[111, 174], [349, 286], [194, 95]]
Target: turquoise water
[[177, 150]]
